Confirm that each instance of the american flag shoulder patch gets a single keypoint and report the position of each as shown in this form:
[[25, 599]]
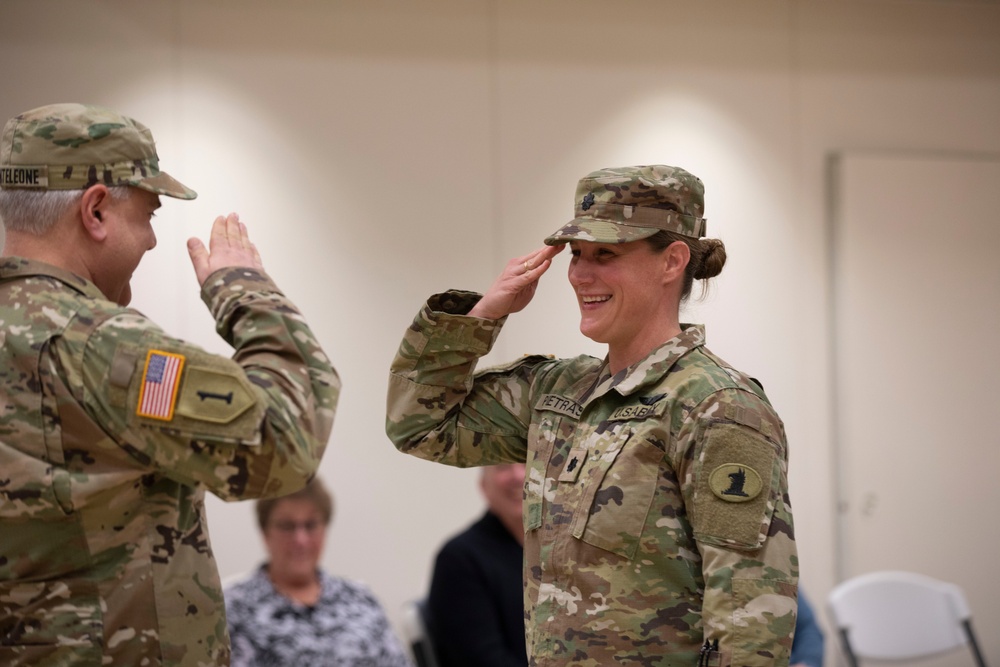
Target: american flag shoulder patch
[[160, 381]]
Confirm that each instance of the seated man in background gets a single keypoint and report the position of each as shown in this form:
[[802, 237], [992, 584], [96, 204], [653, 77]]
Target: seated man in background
[[476, 602], [290, 612]]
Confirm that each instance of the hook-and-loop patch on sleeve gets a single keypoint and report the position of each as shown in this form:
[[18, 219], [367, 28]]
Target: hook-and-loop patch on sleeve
[[195, 394], [734, 493]]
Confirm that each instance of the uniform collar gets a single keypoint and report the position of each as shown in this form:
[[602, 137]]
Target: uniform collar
[[20, 267], [656, 364]]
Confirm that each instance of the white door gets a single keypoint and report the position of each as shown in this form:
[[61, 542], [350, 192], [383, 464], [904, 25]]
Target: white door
[[916, 279]]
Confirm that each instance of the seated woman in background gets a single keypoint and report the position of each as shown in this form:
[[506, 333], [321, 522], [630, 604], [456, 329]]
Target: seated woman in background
[[289, 612]]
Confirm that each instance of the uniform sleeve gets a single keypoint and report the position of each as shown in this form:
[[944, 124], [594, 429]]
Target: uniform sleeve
[[736, 493], [438, 408], [252, 426]]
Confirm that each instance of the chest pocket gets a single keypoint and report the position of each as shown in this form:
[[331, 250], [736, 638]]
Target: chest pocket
[[56, 622], [37, 484], [557, 421], [542, 439], [618, 494]]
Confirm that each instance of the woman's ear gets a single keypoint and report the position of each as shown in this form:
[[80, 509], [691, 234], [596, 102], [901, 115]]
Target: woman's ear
[[94, 206], [675, 260]]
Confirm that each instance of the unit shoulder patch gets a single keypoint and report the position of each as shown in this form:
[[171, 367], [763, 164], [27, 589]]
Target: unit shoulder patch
[[735, 487], [735, 482], [213, 395]]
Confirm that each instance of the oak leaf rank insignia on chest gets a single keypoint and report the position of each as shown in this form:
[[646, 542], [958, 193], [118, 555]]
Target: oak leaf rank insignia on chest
[[574, 462]]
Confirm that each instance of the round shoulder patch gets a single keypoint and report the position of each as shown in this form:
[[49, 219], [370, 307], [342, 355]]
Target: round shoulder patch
[[735, 482]]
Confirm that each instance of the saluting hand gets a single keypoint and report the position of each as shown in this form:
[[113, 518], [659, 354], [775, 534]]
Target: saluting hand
[[515, 286], [229, 245]]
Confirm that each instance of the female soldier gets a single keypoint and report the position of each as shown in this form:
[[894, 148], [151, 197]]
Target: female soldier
[[657, 524]]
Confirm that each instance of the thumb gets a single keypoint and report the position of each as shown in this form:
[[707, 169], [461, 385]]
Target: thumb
[[199, 258]]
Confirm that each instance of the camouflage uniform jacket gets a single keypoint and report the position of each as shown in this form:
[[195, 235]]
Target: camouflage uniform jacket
[[110, 433], [656, 513]]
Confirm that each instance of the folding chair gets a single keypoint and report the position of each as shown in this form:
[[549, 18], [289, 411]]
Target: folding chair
[[416, 625], [894, 615]]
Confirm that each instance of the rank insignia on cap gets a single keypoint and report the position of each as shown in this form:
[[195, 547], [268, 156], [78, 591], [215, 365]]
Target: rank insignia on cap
[[735, 482], [588, 201], [160, 380]]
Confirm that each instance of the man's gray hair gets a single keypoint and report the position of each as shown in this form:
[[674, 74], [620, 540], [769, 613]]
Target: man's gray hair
[[36, 211]]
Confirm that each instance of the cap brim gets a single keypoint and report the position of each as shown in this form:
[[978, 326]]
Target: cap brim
[[165, 184], [598, 231]]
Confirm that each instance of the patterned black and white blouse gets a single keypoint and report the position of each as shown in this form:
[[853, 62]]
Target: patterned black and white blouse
[[346, 628]]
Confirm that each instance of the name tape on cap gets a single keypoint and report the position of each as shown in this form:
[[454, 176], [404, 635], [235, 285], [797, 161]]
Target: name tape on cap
[[24, 177]]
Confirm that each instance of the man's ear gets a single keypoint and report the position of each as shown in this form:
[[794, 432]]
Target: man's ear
[[676, 258], [94, 207]]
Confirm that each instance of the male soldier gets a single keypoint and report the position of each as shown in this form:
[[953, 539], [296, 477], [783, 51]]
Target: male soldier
[[658, 530], [111, 430]]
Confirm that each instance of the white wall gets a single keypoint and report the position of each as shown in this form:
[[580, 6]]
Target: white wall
[[384, 150]]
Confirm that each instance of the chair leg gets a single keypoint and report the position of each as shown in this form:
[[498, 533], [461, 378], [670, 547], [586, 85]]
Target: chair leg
[[852, 659], [973, 644]]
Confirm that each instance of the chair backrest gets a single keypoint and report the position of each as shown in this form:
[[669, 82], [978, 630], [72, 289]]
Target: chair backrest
[[894, 615], [416, 627]]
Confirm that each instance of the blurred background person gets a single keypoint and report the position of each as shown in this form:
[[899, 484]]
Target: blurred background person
[[807, 646], [476, 604], [290, 612]]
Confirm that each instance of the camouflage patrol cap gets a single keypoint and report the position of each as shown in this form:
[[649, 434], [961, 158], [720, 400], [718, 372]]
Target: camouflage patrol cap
[[632, 203], [74, 146]]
